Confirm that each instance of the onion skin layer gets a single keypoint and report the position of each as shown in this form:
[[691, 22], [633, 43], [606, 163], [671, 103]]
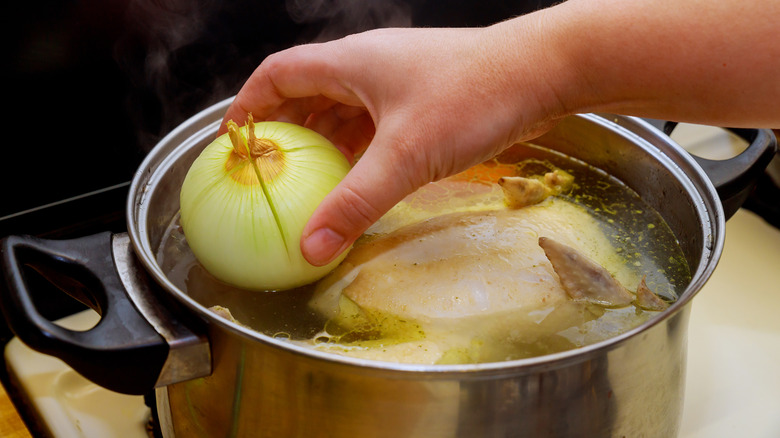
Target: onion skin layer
[[246, 231]]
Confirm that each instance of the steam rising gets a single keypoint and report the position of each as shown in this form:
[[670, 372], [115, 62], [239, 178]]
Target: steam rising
[[183, 55], [157, 30], [344, 17]]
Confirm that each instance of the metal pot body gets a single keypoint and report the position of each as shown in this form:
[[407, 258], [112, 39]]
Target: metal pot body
[[257, 390], [217, 378], [630, 386]]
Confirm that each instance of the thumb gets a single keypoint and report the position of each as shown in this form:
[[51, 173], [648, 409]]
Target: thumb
[[379, 180]]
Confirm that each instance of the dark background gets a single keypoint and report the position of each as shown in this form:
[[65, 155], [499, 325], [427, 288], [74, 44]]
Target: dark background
[[94, 84]]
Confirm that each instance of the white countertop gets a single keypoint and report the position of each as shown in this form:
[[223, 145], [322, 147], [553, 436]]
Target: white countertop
[[733, 380]]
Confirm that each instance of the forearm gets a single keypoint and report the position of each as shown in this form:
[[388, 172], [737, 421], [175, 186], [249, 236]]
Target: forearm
[[707, 62]]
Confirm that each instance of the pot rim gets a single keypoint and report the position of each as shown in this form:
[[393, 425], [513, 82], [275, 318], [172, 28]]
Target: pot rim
[[204, 125]]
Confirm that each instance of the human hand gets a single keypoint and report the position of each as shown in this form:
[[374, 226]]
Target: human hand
[[422, 104], [418, 104]]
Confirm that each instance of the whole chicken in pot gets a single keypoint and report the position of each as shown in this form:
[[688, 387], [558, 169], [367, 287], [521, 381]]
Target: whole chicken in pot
[[526, 273], [528, 254]]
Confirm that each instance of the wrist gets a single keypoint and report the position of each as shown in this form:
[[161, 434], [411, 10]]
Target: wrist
[[542, 66], [713, 63]]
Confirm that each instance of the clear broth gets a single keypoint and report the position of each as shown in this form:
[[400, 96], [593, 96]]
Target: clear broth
[[638, 232]]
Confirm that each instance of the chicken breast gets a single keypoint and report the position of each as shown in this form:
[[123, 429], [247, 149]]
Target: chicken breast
[[460, 276], [464, 264]]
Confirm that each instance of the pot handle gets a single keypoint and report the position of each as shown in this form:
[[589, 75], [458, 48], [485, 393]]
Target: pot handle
[[132, 348], [736, 177]]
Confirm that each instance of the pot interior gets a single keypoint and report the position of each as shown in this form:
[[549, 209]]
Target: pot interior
[[661, 174]]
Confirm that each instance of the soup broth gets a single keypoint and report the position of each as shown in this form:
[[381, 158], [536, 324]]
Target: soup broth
[[644, 247]]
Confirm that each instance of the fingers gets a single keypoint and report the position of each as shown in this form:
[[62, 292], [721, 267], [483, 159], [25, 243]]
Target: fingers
[[349, 128], [381, 179], [327, 122], [292, 84], [300, 86], [299, 110], [258, 96]]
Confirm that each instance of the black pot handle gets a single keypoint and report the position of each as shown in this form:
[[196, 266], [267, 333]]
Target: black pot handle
[[736, 177], [124, 352]]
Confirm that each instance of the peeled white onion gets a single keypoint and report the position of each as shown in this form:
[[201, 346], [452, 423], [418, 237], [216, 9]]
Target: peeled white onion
[[247, 197]]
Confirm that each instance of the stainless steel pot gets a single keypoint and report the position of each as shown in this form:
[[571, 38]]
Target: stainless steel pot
[[217, 378]]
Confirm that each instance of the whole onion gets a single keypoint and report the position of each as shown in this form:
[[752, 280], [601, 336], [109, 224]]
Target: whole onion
[[247, 197]]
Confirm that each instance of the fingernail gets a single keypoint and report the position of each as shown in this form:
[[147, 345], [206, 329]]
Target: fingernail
[[322, 246]]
